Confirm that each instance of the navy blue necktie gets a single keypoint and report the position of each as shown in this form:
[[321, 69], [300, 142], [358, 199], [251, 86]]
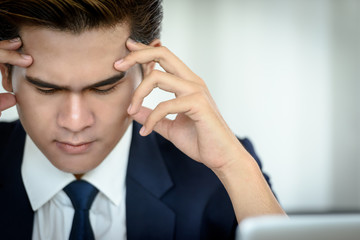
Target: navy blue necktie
[[82, 195]]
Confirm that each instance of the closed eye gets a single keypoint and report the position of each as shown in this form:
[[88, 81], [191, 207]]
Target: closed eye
[[47, 91], [102, 87], [104, 91], [95, 90]]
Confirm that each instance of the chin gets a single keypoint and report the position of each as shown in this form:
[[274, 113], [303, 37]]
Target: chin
[[76, 165]]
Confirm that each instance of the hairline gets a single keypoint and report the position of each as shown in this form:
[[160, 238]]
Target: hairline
[[68, 30], [102, 26]]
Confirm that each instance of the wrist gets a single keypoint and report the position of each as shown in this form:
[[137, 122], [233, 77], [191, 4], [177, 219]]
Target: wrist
[[241, 165]]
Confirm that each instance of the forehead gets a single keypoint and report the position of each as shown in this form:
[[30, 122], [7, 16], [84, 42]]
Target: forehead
[[64, 56]]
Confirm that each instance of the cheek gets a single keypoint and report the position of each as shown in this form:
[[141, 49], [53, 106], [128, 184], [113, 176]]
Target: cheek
[[36, 115], [23, 92], [33, 110], [26, 101], [116, 107]]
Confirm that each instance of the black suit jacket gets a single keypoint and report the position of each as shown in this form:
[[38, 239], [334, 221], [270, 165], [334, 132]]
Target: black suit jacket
[[168, 195]]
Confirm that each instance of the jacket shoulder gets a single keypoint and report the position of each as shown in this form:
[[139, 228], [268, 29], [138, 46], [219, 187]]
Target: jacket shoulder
[[7, 130], [13, 198]]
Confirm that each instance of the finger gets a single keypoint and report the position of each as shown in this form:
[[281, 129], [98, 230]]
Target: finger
[[164, 81], [7, 100], [173, 106], [132, 45], [11, 44], [14, 58], [10, 56], [161, 127], [141, 54]]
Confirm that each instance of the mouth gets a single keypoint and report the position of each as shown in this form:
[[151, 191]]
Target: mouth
[[74, 148]]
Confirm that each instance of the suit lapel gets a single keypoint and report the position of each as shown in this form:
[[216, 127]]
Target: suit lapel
[[147, 181]]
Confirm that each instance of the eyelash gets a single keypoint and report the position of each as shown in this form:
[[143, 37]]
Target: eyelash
[[105, 91], [47, 91], [98, 91]]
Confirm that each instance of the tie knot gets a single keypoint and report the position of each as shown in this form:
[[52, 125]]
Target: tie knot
[[81, 194]]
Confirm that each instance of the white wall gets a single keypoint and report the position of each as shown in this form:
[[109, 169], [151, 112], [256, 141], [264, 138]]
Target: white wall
[[283, 73], [345, 79]]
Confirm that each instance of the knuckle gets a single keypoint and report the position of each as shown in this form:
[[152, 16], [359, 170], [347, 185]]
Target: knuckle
[[198, 88], [155, 74], [131, 56], [203, 89], [152, 119], [131, 53], [154, 77], [163, 105], [163, 108], [201, 82], [200, 99], [163, 51]]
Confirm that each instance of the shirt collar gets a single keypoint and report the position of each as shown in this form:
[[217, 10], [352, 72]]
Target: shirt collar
[[108, 177]]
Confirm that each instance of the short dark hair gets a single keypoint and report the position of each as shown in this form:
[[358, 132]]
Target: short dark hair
[[143, 16]]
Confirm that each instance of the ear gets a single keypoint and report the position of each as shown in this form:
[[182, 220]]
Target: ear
[[6, 79], [148, 67]]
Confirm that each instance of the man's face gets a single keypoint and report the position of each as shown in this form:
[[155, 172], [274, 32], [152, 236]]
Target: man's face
[[71, 100]]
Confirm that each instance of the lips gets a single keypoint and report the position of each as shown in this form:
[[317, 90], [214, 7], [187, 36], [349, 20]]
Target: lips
[[74, 148]]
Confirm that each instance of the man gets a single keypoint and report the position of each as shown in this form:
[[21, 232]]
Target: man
[[78, 72]]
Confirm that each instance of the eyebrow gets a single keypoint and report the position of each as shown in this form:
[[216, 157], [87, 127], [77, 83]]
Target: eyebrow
[[44, 84]]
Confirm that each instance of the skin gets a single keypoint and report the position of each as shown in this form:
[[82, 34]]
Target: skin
[[78, 114], [57, 102]]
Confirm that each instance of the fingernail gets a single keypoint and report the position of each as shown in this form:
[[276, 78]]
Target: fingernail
[[26, 57], [14, 40], [142, 131], [119, 62], [129, 109], [131, 40]]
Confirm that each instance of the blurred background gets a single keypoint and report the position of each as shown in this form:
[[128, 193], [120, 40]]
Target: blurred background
[[284, 73]]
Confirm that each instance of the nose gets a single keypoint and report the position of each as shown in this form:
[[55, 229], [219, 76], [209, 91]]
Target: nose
[[75, 114]]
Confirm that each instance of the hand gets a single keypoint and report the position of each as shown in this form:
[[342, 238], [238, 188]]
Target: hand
[[198, 130], [9, 55]]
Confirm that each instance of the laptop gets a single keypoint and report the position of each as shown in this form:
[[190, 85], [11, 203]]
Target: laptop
[[301, 227]]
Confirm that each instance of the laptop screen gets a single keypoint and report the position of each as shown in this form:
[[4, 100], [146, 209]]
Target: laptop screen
[[312, 227]]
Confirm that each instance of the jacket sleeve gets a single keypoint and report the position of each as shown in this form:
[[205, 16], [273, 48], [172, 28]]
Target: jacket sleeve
[[219, 219], [250, 148]]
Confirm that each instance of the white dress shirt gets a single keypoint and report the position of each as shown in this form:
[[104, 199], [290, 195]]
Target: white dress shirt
[[53, 209]]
